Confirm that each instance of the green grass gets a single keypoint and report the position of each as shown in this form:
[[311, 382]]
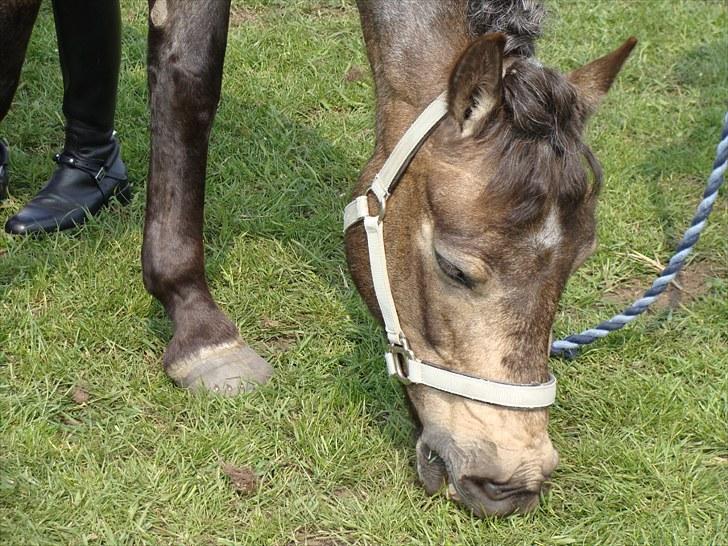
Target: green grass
[[641, 418]]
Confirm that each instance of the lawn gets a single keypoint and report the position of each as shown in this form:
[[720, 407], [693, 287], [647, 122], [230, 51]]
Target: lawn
[[98, 447]]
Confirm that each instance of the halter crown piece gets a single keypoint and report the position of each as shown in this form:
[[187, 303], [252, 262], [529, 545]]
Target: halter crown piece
[[400, 359]]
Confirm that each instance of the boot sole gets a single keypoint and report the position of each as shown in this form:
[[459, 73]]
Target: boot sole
[[122, 194]]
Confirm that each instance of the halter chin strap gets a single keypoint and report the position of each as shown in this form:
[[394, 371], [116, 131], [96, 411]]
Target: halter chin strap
[[401, 361]]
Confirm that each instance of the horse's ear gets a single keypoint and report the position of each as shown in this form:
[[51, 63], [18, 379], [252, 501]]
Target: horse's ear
[[593, 80], [475, 82]]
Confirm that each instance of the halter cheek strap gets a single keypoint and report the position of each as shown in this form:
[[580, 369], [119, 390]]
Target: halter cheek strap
[[401, 361]]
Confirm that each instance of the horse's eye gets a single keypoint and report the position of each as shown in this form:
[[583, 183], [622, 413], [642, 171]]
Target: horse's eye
[[452, 271]]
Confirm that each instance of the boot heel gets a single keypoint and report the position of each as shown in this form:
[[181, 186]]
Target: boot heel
[[124, 194]]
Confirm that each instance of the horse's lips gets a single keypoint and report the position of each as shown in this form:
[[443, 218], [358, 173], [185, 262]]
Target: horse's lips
[[431, 469], [434, 475]]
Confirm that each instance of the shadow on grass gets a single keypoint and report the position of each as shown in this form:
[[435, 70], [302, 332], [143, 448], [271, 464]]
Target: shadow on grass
[[705, 69], [272, 178]]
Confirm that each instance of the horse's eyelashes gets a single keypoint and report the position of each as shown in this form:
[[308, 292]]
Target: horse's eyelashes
[[453, 271]]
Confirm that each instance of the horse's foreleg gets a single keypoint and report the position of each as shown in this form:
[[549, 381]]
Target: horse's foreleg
[[186, 51], [16, 23]]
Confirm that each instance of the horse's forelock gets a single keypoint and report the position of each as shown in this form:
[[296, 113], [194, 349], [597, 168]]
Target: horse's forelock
[[540, 104], [537, 145]]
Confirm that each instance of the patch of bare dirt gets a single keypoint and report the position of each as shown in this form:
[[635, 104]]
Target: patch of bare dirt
[[70, 421], [243, 479], [355, 74], [693, 282], [242, 15], [80, 395], [342, 493], [283, 343], [278, 339], [270, 323]]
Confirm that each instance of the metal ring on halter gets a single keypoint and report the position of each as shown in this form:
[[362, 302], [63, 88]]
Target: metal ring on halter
[[401, 355], [382, 202]]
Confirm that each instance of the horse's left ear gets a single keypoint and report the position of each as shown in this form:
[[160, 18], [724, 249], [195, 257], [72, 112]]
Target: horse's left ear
[[593, 80], [475, 82]]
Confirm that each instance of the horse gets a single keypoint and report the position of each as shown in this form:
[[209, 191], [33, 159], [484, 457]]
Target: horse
[[491, 215]]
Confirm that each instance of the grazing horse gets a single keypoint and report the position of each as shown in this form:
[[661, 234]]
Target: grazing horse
[[490, 218]]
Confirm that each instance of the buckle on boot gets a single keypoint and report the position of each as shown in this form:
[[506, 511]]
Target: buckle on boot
[[101, 174]]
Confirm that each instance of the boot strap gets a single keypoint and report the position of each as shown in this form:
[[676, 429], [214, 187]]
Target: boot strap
[[96, 169]]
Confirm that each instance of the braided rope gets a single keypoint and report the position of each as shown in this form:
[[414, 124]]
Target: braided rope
[[570, 345]]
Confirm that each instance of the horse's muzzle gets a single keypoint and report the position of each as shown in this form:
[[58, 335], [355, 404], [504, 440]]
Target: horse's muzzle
[[475, 485]]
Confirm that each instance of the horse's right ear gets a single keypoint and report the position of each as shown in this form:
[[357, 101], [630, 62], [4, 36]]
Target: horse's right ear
[[593, 80], [475, 82]]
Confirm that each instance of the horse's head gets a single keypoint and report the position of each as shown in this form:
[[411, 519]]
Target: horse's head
[[494, 213]]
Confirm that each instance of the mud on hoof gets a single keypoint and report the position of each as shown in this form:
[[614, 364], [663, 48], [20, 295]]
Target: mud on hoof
[[228, 369]]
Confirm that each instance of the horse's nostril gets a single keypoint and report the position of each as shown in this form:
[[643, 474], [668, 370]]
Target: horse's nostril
[[487, 497], [499, 491]]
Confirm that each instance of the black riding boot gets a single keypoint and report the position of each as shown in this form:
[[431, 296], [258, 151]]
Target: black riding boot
[[90, 170]]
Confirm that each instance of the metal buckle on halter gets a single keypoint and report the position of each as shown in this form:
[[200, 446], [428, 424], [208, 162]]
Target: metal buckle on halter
[[382, 202], [399, 356]]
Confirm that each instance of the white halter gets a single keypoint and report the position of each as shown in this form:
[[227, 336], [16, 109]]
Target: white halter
[[400, 359]]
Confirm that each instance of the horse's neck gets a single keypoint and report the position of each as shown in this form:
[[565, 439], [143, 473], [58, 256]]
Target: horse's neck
[[412, 46]]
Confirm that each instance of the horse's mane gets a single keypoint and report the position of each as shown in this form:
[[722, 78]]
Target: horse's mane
[[519, 20]]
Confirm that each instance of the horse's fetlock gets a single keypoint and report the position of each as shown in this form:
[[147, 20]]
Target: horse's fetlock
[[163, 280]]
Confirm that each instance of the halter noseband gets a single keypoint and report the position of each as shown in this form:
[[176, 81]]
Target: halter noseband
[[401, 361]]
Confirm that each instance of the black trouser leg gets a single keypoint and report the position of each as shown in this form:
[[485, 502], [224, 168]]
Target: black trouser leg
[[16, 23], [90, 170], [89, 49]]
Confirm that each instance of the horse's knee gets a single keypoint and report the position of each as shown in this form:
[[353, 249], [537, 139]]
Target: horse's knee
[[195, 90], [184, 92], [188, 79]]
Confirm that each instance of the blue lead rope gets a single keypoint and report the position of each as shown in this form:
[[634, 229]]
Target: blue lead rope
[[569, 346]]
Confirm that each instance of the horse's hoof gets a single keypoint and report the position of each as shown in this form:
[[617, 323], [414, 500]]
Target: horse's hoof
[[227, 369]]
